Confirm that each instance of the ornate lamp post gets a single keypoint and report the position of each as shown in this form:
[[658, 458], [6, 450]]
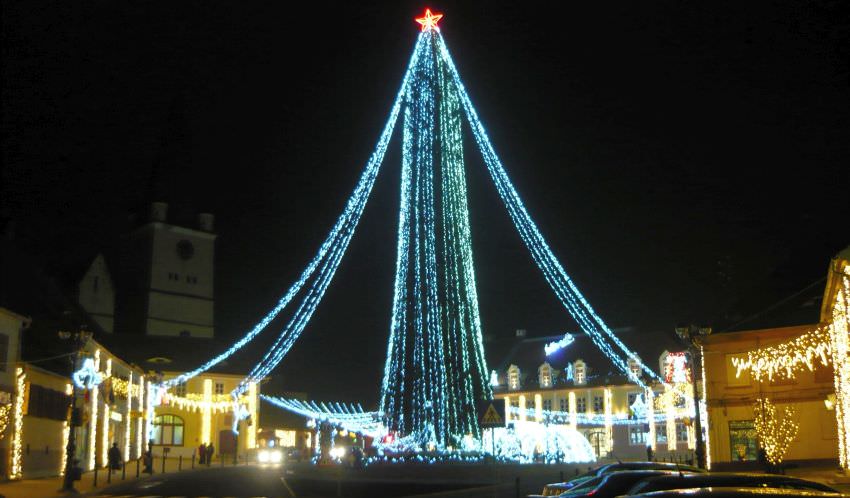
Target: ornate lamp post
[[78, 340], [691, 337]]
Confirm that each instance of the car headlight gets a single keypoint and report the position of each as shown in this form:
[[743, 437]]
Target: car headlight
[[276, 456], [264, 456]]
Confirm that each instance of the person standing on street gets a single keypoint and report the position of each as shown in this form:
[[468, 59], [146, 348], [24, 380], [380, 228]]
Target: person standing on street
[[209, 455], [202, 454], [114, 457]]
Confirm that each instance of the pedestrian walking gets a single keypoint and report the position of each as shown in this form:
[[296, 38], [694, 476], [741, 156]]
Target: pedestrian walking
[[209, 454], [649, 453], [114, 457]]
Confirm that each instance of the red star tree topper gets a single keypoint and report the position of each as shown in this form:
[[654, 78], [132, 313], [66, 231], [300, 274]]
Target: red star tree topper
[[429, 21]]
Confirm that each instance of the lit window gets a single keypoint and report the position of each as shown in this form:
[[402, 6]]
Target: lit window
[[563, 404], [637, 436], [544, 374], [547, 405], [681, 432], [513, 377], [661, 433], [580, 372], [168, 430]]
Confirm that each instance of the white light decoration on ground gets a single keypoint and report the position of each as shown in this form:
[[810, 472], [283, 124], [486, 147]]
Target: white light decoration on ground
[[16, 462], [523, 442], [784, 360], [87, 377], [94, 400], [555, 346], [776, 431]]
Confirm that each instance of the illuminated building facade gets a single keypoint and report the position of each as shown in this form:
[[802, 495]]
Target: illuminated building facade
[[575, 385], [803, 367]]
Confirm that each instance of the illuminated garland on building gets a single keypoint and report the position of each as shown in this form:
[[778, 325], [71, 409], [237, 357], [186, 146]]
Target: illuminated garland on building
[[124, 388], [104, 430], [840, 342], [127, 419], [786, 359], [16, 465], [66, 431], [5, 415], [93, 418], [141, 419], [775, 432]]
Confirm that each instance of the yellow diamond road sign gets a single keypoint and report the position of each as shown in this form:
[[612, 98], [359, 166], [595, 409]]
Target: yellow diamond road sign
[[492, 414]]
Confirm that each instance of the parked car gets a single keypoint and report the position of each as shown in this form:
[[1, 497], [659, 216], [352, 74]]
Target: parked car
[[609, 485], [725, 480], [730, 492], [557, 488]]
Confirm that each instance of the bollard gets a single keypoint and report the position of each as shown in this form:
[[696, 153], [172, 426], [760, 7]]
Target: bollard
[[179, 463], [109, 475], [221, 458], [94, 484], [163, 464], [138, 461], [517, 487], [193, 459], [124, 471]]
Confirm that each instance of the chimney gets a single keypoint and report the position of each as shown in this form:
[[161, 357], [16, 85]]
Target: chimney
[[206, 222], [159, 211]]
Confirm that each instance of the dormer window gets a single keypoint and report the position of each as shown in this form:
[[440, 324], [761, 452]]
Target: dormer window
[[544, 374], [580, 372], [634, 368], [513, 377]]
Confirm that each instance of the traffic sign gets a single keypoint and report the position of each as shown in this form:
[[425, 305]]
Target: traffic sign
[[491, 413]]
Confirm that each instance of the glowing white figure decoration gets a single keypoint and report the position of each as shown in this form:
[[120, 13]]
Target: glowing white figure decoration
[[494, 379], [87, 377], [558, 345]]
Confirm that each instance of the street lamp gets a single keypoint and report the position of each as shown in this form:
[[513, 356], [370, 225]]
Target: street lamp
[[691, 337], [78, 340]]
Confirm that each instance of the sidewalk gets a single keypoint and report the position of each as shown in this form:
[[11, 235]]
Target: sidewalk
[[831, 476], [49, 487]]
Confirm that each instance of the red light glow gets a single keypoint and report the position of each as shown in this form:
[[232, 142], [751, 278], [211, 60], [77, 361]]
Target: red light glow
[[429, 21]]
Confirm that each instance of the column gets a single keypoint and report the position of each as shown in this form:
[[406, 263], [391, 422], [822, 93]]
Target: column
[[538, 408], [251, 440], [573, 411], [522, 414], [93, 401], [650, 416], [609, 426], [206, 413]]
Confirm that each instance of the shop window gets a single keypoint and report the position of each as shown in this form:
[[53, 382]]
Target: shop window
[[742, 440], [168, 430]]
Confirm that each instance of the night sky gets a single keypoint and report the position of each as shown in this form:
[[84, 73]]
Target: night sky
[[687, 161]]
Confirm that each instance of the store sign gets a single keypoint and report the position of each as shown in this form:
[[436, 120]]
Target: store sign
[[116, 416]]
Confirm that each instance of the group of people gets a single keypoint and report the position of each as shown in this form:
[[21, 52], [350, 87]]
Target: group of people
[[205, 453]]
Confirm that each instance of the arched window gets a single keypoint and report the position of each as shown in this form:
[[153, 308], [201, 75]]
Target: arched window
[[168, 430]]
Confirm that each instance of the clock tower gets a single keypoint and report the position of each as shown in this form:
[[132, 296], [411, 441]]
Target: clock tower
[[168, 269]]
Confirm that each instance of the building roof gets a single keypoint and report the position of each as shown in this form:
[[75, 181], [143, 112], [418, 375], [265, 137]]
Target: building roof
[[528, 354]]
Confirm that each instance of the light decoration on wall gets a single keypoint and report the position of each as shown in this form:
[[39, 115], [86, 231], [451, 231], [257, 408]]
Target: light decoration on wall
[[840, 347], [206, 416], [104, 430], [558, 345], [87, 377], [703, 412], [66, 430], [124, 388], [609, 422], [5, 415], [784, 360], [141, 419], [95, 402], [676, 369], [16, 461], [776, 429], [191, 403], [127, 419]]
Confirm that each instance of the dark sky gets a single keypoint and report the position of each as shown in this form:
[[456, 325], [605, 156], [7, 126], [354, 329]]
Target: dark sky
[[684, 159]]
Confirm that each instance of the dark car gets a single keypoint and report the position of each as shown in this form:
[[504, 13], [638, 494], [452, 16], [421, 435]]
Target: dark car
[[611, 484], [718, 492], [557, 488], [725, 480]]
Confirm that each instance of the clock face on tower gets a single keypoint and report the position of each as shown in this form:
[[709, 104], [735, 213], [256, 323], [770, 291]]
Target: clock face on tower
[[185, 249]]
